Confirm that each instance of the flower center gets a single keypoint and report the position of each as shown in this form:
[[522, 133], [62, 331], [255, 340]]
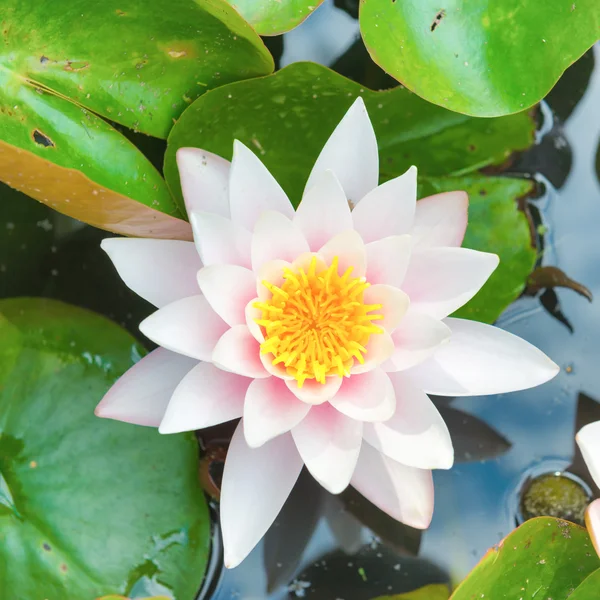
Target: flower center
[[317, 324]]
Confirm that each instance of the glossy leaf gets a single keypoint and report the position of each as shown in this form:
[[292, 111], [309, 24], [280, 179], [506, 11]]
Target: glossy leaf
[[429, 592], [134, 62], [76, 163], [287, 117], [495, 225], [483, 59], [272, 17], [88, 507], [588, 590], [544, 558]]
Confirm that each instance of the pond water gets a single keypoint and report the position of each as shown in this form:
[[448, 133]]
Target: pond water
[[342, 548]]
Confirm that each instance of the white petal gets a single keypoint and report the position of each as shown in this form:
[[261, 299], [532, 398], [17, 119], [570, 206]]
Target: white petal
[[270, 410], [142, 394], [588, 439], [329, 444], [388, 260], [416, 435], [160, 271], [220, 241], [204, 181], [441, 280], [253, 313], [238, 352], [379, 348], [350, 251], [189, 326], [388, 209], [313, 392], [404, 493], [416, 338], [252, 189], [228, 288], [480, 359], [277, 370], [351, 153], [441, 220], [394, 302], [367, 397], [592, 521], [324, 211], [256, 483], [205, 397], [276, 237], [272, 272]]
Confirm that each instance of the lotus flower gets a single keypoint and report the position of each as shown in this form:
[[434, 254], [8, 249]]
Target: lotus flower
[[588, 439], [323, 328]]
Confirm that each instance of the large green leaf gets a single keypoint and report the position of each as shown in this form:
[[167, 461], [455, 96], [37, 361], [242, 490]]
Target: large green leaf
[[589, 588], [272, 17], [136, 62], [479, 58], [88, 507], [287, 117], [544, 558], [435, 591], [495, 225]]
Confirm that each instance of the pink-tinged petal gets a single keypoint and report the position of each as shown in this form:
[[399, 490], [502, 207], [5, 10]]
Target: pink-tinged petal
[[395, 303], [228, 288], [253, 190], [189, 326], [379, 348], [160, 271], [351, 153], [324, 211], [388, 209], [388, 260], [305, 260], [329, 444], [276, 237], [272, 272], [220, 241], [350, 251], [416, 338], [367, 397], [441, 220], [256, 483], [313, 392], [480, 359], [238, 352], [277, 370], [592, 521], [441, 280], [253, 313], [142, 394], [205, 397], [416, 435], [588, 439], [404, 493], [204, 181], [270, 410]]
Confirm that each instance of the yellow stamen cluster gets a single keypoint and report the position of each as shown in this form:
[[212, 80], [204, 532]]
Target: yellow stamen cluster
[[317, 324]]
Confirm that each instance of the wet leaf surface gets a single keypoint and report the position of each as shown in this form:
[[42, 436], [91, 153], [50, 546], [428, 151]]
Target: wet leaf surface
[[545, 558], [89, 507], [484, 60]]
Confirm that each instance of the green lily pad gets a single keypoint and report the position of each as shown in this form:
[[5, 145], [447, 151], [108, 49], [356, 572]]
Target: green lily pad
[[88, 507], [287, 117], [429, 592], [588, 590], [495, 225], [134, 62], [544, 558], [479, 58], [272, 17]]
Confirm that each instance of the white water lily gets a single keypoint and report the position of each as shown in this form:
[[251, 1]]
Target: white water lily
[[588, 439], [323, 328]]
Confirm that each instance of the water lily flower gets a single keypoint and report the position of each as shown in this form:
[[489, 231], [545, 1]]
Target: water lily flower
[[324, 329], [588, 439]]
